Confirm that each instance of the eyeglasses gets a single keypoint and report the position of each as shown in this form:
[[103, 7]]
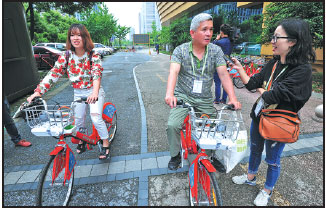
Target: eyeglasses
[[274, 38]]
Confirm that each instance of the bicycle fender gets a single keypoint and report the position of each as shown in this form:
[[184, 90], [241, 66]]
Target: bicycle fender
[[208, 165], [57, 149]]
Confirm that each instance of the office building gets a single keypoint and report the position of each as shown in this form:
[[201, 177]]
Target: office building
[[147, 15]]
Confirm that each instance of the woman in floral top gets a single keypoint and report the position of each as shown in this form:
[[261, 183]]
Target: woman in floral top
[[85, 79]]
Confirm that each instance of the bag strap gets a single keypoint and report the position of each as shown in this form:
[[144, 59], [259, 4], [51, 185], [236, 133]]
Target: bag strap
[[279, 110], [280, 113], [67, 58], [271, 78], [90, 58]]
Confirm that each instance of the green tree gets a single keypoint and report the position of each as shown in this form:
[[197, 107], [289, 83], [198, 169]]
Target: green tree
[[165, 35], [155, 35], [50, 26], [179, 31], [100, 24], [65, 7], [251, 29], [121, 32], [312, 12]]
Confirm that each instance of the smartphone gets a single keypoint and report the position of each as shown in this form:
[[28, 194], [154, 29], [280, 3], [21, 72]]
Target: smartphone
[[228, 59]]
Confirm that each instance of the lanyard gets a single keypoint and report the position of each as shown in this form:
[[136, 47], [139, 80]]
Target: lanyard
[[193, 66], [269, 84]]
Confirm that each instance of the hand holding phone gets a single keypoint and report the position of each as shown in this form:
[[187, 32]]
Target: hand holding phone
[[228, 59]]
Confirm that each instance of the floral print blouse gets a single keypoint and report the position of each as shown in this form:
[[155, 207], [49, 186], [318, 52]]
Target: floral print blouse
[[78, 69]]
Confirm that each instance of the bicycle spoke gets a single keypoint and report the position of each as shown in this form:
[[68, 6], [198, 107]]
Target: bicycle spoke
[[54, 193]]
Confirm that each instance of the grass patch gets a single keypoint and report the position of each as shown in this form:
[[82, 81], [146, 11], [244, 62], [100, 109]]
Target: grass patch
[[317, 82]]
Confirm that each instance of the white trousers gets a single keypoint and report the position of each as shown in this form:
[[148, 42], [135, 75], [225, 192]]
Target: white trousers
[[95, 110]]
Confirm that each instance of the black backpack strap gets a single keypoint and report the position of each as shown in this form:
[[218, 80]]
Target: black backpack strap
[[90, 58], [67, 58]]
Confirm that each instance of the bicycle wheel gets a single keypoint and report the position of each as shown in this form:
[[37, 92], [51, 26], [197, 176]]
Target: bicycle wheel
[[112, 127], [238, 82], [209, 193], [55, 194]]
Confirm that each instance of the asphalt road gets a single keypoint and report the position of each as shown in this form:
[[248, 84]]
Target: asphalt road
[[302, 177]]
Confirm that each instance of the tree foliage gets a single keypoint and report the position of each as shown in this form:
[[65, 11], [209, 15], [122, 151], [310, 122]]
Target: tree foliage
[[100, 24], [64, 7], [251, 29], [180, 31], [121, 32], [155, 35], [312, 12], [165, 35], [50, 26]]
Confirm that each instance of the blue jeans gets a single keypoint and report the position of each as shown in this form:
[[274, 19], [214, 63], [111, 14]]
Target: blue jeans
[[273, 156], [9, 123], [218, 86]]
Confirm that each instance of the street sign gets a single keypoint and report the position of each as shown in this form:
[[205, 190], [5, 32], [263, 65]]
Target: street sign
[[141, 38]]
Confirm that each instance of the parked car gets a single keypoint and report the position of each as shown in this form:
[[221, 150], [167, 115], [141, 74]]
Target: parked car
[[252, 49], [100, 48], [45, 57], [110, 49], [59, 46]]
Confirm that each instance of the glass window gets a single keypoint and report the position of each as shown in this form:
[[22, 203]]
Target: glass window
[[39, 51], [60, 46]]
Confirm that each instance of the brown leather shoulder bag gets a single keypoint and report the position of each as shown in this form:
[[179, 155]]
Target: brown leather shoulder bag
[[279, 125]]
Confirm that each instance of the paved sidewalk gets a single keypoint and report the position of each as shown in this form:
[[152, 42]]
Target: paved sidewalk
[[132, 166]]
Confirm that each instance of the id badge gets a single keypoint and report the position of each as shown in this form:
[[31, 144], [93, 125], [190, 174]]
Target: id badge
[[259, 106], [198, 86]]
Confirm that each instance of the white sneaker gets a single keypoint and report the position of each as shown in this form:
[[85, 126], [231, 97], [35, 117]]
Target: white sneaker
[[262, 198], [243, 180]]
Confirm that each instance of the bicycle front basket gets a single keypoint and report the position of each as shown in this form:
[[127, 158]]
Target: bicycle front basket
[[49, 122]]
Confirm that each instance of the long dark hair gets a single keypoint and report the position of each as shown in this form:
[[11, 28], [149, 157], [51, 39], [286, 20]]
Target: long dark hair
[[87, 41], [299, 31]]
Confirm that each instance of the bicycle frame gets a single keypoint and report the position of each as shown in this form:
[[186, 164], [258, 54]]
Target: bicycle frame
[[90, 139], [189, 146], [234, 74]]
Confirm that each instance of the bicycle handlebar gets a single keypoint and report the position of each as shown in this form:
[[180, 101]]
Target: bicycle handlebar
[[182, 104], [82, 99]]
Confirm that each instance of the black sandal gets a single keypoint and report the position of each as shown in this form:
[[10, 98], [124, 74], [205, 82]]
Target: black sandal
[[81, 147], [103, 153]]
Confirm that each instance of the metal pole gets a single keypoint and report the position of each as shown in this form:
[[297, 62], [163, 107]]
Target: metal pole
[[149, 44]]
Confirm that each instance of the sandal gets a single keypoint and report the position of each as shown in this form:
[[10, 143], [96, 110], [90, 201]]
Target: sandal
[[81, 148], [103, 153]]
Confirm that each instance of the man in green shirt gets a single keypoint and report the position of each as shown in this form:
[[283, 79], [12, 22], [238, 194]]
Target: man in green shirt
[[190, 79]]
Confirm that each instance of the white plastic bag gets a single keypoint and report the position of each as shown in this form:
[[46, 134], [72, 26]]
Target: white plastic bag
[[235, 153]]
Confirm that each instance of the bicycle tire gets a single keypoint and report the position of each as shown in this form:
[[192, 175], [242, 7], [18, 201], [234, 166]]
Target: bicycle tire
[[112, 127], [215, 193], [238, 82], [55, 194]]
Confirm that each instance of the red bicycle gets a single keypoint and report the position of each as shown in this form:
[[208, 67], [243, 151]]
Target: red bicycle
[[57, 177], [235, 76], [200, 133]]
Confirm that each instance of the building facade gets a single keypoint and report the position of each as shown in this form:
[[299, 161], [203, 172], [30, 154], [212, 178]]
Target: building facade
[[170, 11], [131, 34], [147, 15]]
